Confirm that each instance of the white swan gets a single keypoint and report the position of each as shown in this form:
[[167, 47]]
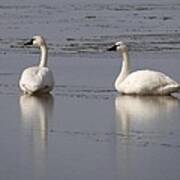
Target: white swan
[[37, 79], [142, 82]]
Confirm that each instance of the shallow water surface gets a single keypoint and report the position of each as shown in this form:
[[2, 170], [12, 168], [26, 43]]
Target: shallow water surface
[[85, 130]]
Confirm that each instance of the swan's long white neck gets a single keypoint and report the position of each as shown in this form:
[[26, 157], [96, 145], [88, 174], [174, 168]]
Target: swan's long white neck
[[124, 69], [44, 56]]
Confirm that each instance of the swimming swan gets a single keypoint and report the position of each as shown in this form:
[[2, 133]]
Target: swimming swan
[[37, 79], [142, 82]]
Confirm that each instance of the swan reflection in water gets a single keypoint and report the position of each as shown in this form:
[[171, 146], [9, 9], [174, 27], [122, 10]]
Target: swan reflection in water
[[36, 111], [143, 111], [140, 121]]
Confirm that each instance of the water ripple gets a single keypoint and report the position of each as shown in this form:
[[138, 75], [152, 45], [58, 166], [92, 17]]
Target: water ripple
[[84, 27]]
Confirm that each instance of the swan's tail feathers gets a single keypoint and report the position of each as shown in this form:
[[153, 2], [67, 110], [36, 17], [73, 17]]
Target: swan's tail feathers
[[178, 88], [169, 89]]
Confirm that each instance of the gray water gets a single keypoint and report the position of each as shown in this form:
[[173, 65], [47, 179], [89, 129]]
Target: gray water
[[85, 130]]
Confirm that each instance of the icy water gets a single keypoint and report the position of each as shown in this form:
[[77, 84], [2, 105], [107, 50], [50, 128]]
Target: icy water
[[85, 130]]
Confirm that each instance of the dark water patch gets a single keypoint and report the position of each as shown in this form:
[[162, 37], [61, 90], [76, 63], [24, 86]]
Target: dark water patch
[[136, 42], [83, 89], [84, 96], [165, 18], [90, 17], [124, 6], [16, 7], [78, 92], [130, 139], [166, 145]]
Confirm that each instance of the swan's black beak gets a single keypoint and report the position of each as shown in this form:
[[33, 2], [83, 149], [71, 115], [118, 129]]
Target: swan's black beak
[[113, 48], [29, 42]]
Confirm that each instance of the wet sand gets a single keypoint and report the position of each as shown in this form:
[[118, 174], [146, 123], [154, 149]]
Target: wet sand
[[85, 130]]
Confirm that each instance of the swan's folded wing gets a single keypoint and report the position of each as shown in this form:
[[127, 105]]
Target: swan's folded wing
[[147, 82], [34, 79], [46, 77]]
